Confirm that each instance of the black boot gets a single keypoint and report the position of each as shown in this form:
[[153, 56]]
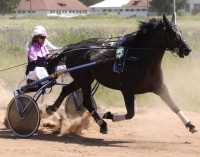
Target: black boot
[[100, 122]]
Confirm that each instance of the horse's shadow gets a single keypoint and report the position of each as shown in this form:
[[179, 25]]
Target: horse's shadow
[[78, 139], [74, 139]]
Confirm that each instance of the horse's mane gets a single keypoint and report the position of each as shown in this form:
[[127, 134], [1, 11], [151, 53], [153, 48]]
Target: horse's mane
[[148, 26], [145, 29]]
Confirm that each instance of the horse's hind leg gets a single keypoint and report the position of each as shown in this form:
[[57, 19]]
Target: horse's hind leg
[[129, 102], [165, 96], [66, 90]]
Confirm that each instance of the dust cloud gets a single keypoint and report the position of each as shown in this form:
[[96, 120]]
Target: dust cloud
[[5, 95], [61, 124], [58, 122]]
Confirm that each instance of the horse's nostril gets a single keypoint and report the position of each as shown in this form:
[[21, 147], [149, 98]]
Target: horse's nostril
[[186, 52]]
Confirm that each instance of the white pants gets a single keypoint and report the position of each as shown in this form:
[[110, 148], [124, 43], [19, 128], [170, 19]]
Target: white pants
[[41, 72], [37, 74]]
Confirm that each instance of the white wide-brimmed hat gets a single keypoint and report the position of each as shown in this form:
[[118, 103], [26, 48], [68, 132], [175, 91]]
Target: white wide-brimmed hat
[[39, 31]]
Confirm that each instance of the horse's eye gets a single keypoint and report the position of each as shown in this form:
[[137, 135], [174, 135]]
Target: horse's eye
[[144, 31], [177, 36]]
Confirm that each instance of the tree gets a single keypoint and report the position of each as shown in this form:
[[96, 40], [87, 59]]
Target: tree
[[90, 2], [6, 6], [166, 6], [2, 6], [180, 4]]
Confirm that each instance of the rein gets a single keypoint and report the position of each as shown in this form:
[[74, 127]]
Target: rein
[[13, 67], [176, 50], [115, 48], [110, 47]]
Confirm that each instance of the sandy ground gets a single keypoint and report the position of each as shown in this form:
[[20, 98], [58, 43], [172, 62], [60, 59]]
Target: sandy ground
[[152, 133]]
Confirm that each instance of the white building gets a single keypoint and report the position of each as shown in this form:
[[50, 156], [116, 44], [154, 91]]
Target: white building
[[124, 7], [192, 6]]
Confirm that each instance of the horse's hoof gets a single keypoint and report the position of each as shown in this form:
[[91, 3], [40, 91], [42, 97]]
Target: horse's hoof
[[49, 111], [194, 130], [108, 115], [104, 128], [105, 116], [191, 127]]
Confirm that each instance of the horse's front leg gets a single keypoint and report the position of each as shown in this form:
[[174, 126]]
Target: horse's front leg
[[165, 96], [87, 103], [129, 102]]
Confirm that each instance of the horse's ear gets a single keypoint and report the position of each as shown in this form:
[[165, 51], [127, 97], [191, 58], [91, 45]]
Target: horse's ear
[[166, 21], [173, 21]]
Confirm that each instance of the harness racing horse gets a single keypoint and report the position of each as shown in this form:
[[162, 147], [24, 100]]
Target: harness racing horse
[[144, 75]]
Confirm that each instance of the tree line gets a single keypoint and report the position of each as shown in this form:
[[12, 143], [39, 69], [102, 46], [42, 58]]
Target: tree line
[[6, 6], [166, 6], [161, 6]]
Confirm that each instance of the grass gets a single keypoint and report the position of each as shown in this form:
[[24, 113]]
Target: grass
[[181, 75]]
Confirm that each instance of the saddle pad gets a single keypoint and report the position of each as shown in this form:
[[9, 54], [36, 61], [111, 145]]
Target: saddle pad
[[122, 54]]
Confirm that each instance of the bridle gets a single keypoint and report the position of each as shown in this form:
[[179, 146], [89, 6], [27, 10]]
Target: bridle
[[173, 49]]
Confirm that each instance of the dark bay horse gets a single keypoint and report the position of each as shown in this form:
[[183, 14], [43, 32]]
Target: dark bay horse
[[144, 75]]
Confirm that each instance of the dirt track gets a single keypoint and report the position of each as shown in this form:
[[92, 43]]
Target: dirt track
[[152, 133]]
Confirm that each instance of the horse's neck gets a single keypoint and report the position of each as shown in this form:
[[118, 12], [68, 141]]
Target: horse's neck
[[150, 54], [154, 46]]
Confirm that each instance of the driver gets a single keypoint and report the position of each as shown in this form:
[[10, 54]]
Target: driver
[[38, 54]]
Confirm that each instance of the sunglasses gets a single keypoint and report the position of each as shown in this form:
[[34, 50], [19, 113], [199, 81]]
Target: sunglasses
[[42, 37]]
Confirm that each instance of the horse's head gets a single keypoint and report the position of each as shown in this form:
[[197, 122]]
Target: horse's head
[[174, 39]]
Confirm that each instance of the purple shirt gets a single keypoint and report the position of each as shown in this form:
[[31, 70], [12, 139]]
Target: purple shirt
[[37, 57], [36, 50]]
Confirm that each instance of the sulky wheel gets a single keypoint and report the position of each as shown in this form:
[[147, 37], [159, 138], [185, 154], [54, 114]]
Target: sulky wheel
[[26, 124], [71, 110]]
